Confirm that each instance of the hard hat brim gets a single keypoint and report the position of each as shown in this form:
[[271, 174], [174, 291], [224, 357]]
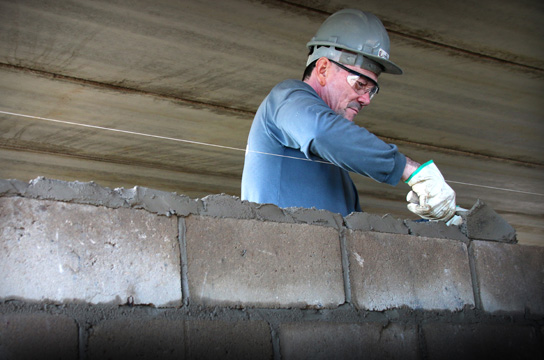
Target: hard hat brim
[[334, 50]]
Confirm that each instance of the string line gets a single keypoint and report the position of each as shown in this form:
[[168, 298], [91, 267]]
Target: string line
[[494, 188], [119, 130], [224, 147]]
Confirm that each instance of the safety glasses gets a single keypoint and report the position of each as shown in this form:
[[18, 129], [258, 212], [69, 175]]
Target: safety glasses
[[362, 84]]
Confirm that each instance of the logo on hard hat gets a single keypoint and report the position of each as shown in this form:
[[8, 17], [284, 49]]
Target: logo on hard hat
[[383, 54]]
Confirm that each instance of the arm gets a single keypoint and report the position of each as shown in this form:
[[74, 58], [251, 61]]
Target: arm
[[301, 120], [409, 169]]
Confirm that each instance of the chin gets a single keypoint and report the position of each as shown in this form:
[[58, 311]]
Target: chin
[[350, 115]]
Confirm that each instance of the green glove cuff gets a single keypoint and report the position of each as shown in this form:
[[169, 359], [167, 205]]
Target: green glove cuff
[[418, 170]]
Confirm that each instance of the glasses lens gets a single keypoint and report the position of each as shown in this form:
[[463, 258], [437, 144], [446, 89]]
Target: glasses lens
[[362, 86], [360, 83]]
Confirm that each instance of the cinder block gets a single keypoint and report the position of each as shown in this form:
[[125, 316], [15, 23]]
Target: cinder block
[[137, 338], [54, 251], [249, 263], [313, 340], [389, 271], [161, 338], [372, 222], [510, 277], [76, 192], [220, 205], [160, 202], [270, 212], [436, 229], [228, 340], [315, 216], [12, 187], [43, 336], [480, 341], [155, 201]]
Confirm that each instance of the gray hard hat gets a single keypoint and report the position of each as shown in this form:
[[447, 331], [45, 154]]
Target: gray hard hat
[[354, 37]]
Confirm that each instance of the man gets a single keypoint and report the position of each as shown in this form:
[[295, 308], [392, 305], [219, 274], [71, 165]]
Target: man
[[303, 141]]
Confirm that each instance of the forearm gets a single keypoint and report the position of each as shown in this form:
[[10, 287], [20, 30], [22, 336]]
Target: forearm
[[410, 167]]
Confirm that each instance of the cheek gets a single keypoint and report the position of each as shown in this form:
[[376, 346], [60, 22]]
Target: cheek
[[338, 104], [339, 96], [343, 99]]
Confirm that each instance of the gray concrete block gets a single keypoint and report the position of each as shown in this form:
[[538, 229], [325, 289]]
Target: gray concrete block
[[480, 341], [252, 263], [162, 338], [137, 338], [372, 222], [228, 340], [315, 217], [271, 212], [481, 222], [61, 252], [436, 229], [316, 340], [38, 336], [226, 206], [159, 202], [12, 187], [155, 201], [222, 205], [510, 277], [78, 192], [389, 271]]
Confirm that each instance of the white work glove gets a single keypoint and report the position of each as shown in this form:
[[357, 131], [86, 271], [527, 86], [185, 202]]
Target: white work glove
[[431, 197]]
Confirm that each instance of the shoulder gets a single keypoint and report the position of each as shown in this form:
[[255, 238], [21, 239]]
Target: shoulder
[[293, 90], [293, 85]]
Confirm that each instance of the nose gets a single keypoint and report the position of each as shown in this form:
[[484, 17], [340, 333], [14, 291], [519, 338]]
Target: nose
[[364, 99]]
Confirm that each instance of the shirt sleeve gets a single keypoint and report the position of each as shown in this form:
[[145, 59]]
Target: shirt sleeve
[[302, 120]]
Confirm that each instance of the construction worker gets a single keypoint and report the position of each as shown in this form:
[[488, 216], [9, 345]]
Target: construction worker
[[303, 141]]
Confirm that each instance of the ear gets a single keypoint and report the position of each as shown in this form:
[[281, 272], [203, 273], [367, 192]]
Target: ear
[[322, 69]]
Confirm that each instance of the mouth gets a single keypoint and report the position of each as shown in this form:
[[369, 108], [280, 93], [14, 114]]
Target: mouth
[[355, 107]]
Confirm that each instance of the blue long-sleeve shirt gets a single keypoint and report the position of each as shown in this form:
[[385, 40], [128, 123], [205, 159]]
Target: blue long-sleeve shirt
[[292, 126]]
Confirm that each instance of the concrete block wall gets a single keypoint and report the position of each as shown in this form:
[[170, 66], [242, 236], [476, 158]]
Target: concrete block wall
[[89, 272]]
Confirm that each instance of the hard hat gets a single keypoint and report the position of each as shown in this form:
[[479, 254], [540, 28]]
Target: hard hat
[[354, 37]]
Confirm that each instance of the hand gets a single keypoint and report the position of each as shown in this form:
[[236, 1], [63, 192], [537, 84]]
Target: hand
[[431, 197]]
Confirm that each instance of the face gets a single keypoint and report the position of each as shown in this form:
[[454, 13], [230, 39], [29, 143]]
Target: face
[[341, 96]]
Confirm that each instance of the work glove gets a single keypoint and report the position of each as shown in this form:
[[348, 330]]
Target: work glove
[[431, 197]]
